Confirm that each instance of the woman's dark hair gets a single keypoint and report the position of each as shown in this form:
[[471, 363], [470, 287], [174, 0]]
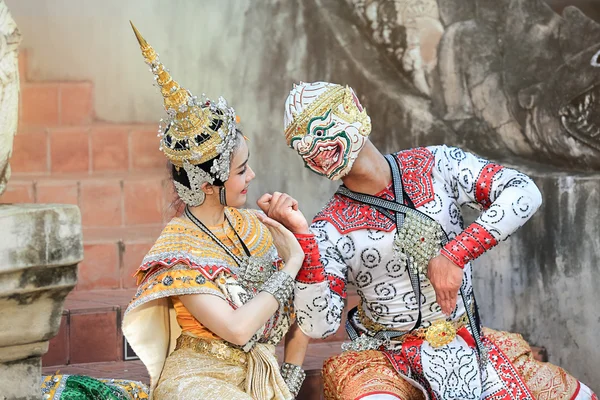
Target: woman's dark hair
[[181, 176]]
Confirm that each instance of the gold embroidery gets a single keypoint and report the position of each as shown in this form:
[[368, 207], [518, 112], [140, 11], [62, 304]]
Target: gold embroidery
[[217, 348], [329, 100], [440, 333], [194, 374], [353, 375], [181, 238], [544, 380]]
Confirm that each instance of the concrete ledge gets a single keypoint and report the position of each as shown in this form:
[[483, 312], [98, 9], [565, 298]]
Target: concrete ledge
[[40, 246], [36, 235]]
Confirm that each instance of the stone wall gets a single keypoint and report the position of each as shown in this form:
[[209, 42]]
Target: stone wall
[[543, 281], [418, 69], [388, 51]]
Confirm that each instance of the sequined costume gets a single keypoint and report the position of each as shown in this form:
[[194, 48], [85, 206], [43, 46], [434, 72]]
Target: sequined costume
[[77, 387], [354, 243], [233, 262], [402, 344], [185, 359]]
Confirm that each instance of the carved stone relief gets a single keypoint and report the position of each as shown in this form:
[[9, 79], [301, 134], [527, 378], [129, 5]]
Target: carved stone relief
[[510, 77], [10, 38], [408, 30]]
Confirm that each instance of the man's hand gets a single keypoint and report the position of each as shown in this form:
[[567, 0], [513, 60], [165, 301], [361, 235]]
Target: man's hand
[[283, 208], [446, 278]]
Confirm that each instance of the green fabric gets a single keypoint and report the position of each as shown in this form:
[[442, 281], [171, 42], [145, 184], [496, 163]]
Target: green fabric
[[86, 388], [79, 387]]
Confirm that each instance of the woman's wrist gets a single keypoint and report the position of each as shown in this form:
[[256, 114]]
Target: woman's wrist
[[293, 264], [280, 285]]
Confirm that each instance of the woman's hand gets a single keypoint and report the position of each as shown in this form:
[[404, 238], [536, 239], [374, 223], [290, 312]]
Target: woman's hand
[[284, 209], [287, 246]]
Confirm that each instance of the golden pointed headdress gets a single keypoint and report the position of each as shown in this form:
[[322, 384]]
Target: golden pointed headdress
[[196, 131]]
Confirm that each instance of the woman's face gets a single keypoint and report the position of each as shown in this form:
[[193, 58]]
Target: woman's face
[[236, 187]]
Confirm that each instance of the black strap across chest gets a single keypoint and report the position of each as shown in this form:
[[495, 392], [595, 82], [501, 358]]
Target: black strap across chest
[[210, 234], [397, 210]]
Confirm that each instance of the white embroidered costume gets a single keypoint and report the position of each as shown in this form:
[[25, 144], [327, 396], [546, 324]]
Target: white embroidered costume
[[356, 241], [398, 346]]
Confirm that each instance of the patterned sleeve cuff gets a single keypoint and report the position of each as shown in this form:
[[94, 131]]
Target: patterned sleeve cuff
[[312, 270], [485, 181], [469, 244]]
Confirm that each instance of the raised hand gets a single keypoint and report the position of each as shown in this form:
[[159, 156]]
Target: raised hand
[[287, 246], [446, 278], [284, 209]]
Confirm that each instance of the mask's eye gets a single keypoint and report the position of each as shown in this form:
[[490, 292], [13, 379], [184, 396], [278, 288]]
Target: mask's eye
[[318, 126]]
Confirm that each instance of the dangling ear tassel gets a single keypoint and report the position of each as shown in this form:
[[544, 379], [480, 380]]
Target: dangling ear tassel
[[222, 196]]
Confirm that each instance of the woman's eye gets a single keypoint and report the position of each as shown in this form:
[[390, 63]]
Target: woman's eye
[[242, 172]]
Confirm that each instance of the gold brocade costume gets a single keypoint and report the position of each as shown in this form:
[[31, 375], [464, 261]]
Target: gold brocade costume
[[354, 374], [183, 261]]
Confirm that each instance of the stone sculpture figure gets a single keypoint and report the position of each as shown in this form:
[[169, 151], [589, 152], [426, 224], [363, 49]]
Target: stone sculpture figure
[[519, 79], [408, 30], [512, 78], [10, 38]]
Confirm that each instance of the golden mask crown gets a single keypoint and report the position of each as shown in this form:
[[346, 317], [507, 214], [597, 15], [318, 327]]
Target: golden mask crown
[[331, 99], [196, 131]]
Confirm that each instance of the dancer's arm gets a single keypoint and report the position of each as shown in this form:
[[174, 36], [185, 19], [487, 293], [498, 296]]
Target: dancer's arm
[[321, 282], [295, 346], [292, 372], [238, 325], [507, 199]]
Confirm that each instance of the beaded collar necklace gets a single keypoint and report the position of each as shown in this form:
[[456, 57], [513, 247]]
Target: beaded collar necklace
[[253, 271]]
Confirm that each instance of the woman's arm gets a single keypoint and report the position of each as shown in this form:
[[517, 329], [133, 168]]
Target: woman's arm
[[237, 326], [296, 343]]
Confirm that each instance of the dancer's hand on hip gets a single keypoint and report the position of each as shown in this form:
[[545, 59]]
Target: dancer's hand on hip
[[446, 278], [284, 209]]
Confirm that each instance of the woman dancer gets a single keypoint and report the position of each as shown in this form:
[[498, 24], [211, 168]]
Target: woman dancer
[[227, 272]]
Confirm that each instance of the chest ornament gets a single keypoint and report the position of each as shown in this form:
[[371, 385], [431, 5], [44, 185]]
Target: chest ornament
[[417, 242]]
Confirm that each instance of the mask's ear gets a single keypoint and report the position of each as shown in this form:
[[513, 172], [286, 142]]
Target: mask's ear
[[356, 101], [528, 97]]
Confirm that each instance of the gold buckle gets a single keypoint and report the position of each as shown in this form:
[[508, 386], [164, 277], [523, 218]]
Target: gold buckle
[[440, 333]]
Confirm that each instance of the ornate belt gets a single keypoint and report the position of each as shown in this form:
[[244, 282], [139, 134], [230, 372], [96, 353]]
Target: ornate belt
[[214, 347], [438, 334]]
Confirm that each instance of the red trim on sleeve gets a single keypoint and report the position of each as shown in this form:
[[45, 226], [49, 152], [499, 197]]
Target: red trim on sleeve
[[484, 184], [469, 244], [312, 271], [337, 285]]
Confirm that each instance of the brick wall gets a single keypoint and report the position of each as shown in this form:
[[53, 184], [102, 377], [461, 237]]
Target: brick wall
[[113, 172]]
